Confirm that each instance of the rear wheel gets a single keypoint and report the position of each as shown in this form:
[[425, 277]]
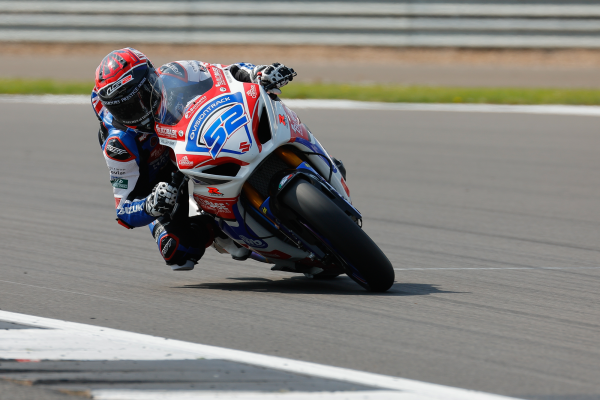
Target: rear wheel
[[363, 261]]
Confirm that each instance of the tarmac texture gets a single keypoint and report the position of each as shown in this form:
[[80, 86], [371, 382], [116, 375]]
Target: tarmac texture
[[490, 220]]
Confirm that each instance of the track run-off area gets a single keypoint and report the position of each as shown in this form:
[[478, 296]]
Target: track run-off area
[[490, 219]]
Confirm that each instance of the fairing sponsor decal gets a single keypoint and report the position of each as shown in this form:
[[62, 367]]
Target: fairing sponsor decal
[[254, 243], [166, 132], [218, 206], [297, 128], [251, 96], [245, 147], [213, 191], [188, 161], [219, 79], [195, 104], [252, 93]]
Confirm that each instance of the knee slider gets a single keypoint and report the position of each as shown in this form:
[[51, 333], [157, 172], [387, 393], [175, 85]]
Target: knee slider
[[177, 243]]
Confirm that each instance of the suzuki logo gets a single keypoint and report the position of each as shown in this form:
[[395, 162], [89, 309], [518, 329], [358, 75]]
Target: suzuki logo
[[244, 147]]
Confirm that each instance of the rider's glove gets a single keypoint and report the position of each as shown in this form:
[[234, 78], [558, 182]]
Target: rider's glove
[[276, 76], [257, 72], [161, 200]]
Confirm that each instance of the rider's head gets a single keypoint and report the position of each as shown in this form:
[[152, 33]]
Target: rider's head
[[124, 81]]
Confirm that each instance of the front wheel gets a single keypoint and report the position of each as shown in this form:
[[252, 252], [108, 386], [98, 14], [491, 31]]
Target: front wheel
[[363, 261]]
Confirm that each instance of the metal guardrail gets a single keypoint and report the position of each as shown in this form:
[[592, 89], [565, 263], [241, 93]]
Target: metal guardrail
[[466, 23]]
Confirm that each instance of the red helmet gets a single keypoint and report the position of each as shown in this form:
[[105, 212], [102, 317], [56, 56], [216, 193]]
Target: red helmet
[[124, 81]]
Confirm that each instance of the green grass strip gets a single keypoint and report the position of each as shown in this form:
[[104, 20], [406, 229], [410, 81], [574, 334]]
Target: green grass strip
[[383, 93], [426, 94], [44, 86]]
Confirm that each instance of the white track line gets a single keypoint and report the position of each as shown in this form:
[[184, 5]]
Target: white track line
[[485, 108], [355, 105], [494, 268], [46, 99], [64, 340], [110, 394]]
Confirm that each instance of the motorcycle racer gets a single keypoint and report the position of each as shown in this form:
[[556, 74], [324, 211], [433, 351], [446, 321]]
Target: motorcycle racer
[[141, 168]]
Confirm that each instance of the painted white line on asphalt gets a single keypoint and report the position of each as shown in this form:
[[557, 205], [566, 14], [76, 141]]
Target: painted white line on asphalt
[[73, 341], [484, 108], [355, 105], [116, 394], [46, 98], [494, 268]]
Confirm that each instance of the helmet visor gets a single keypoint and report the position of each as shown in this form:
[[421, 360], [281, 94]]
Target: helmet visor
[[136, 105]]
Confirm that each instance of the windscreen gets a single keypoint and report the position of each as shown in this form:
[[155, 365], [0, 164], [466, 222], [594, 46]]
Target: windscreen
[[179, 84]]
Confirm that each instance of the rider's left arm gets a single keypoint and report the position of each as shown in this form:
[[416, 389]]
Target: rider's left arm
[[242, 72]]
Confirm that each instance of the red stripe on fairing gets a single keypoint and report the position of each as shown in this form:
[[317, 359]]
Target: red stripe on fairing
[[253, 108], [345, 187], [220, 207], [193, 158], [255, 122]]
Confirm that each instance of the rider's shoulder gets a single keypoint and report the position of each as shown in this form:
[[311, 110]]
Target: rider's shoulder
[[97, 105], [120, 146], [127, 138]]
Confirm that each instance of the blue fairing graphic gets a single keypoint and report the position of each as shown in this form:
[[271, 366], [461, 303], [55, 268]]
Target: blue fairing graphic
[[242, 232], [317, 149], [217, 134]]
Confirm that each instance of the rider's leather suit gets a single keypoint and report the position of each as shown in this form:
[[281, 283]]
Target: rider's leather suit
[[137, 162]]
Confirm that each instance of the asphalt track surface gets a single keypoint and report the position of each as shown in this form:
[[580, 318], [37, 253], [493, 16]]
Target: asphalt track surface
[[491, 220]]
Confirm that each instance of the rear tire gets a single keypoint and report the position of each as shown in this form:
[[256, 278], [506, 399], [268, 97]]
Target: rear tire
[[365, 262]]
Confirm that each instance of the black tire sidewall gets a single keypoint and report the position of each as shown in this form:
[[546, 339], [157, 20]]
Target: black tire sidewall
[[345, 237]]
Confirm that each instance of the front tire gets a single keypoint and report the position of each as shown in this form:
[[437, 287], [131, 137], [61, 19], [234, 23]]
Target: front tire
[[364, 262]]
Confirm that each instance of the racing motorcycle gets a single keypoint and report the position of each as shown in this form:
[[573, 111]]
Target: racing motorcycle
[[264, 178]]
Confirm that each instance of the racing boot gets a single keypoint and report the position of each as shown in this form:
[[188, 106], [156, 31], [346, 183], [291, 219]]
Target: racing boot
[[183, 243]]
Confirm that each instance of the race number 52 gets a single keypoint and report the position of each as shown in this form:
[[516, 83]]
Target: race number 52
[[218, 133]]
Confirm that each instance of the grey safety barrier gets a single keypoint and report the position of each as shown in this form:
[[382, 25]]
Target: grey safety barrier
[[493, 24]]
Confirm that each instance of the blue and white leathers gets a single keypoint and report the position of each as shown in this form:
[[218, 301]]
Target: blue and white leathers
[[137, 162]]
